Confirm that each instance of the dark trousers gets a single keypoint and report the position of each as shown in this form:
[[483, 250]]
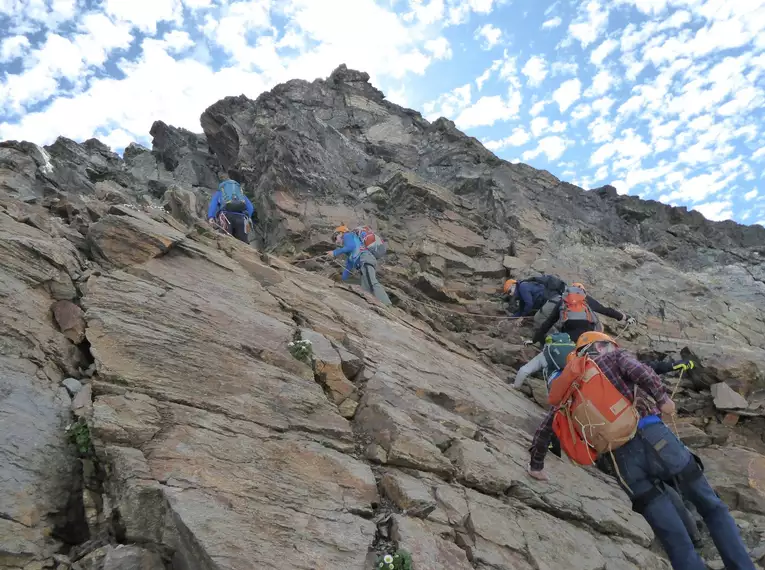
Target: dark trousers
[[656, 453], [237, 225]]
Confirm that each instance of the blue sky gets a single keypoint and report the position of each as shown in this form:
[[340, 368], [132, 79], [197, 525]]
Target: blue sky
[[661, 98]]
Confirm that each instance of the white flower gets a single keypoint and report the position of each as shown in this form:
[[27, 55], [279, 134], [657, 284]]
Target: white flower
[[387, 559]]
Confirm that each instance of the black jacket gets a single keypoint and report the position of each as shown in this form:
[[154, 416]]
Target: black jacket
[[575, 329]]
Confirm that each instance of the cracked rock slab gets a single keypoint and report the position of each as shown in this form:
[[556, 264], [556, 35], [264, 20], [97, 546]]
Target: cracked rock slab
[[429, 551], [408, 493]]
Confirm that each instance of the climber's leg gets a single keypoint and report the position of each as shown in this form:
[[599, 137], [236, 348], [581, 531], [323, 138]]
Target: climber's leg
[[369, 281]]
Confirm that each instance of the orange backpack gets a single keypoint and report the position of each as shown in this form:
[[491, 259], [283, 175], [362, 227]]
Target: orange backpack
[[592, 416], [574, 306]]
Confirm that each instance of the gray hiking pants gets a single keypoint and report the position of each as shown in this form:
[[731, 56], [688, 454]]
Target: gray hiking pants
[[543, 314], [369, 282]]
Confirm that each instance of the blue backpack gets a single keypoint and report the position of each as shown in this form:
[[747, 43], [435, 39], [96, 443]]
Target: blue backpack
[[557, 348], [231, 196]]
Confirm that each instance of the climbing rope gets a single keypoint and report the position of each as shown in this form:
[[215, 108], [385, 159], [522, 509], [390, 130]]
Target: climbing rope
[[480, 315], [622, 331], [672, 397], [425, 304]]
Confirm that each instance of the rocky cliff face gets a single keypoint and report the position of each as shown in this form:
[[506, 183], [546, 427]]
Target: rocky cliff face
[[201, 442]]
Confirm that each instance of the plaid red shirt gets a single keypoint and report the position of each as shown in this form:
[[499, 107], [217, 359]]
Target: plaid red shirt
[[631, 377]]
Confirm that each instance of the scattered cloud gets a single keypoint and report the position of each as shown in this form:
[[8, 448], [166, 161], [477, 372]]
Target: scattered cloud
[[535, 70], [519, 138], [590, 23], [537, 108], [568, 93], [487, 111], [552, 147], [491, 35], [449, 104], [600, 53], [716, 211], [666, 99]]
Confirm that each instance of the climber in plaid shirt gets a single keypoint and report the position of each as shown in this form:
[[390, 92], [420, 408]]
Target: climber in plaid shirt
[[653, 458]]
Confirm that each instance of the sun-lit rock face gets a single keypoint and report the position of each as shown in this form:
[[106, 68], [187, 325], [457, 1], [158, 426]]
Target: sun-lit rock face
[[210, 445]]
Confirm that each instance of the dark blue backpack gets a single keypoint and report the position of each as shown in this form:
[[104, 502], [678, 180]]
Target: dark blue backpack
[[556, 350], [231, 196]]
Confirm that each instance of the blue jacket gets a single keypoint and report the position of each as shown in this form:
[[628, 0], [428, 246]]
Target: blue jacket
[[215, 206], [531, 295], [352, 249]]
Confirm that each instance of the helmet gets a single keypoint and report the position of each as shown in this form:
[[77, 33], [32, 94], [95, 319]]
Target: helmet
[[508, 285], [339, 230], [591, 337], [580, 285]]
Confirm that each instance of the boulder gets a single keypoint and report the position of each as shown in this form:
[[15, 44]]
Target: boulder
[[70, 320], [726, 398], [408, 493]]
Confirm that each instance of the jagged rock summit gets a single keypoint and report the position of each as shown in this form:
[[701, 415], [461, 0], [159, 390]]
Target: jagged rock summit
[[156, 415]]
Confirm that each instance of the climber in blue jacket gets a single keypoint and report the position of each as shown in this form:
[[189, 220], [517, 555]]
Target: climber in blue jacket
[[230, 201], [358, 258], [531, 296]]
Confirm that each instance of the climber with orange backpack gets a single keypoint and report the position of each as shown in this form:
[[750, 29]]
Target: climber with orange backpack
[[358, 258], [606, 402], [575, 314]]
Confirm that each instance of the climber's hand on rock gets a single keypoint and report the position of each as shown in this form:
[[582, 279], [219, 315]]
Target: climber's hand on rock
[[668, 408]]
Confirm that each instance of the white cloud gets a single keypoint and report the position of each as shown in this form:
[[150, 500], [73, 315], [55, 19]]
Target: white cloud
[[483, 78], [537, 108], [535, 69], [751, 195], [519, 138], [448, 104], [601, 83], [581, 112], [590, 23], [567, 93], [64, 75], [177, 41], [146, 14], [439, 48], [601, 52], [717, 211], [459, 10], [565, 68], [539, 125], [558, 127], [603, 105], [486, 111], [553, 147], [13, 47], [490, 34], [552, 23], [429, 13]]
